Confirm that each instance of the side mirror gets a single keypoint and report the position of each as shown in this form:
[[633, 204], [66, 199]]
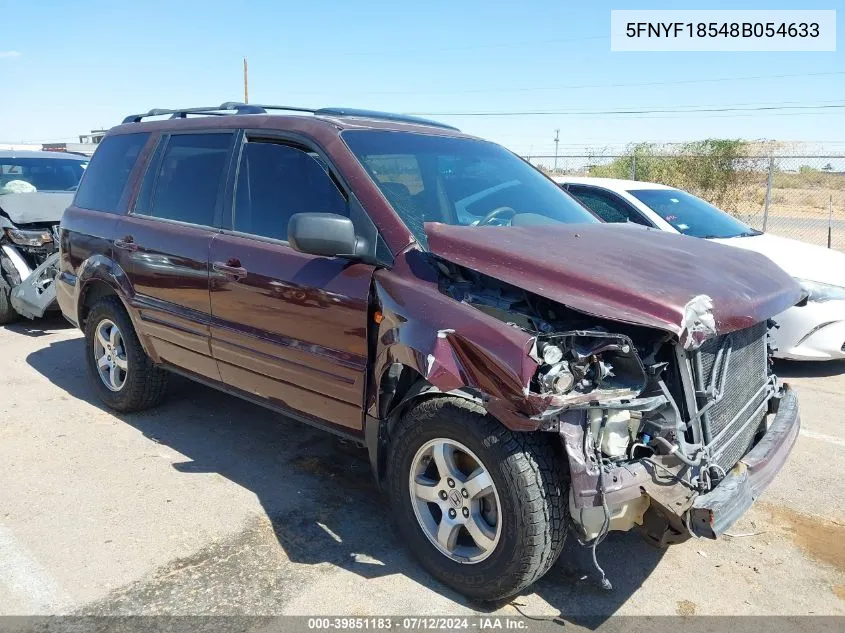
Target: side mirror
[[326, 234]]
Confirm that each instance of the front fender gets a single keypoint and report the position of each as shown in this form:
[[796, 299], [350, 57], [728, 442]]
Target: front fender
[[454, 346]]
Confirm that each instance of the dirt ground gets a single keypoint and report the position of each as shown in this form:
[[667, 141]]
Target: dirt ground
[[209, 505]]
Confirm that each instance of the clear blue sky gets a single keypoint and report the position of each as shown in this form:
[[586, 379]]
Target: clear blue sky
[[68, 67]]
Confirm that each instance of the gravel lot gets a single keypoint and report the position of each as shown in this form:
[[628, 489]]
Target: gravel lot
[[212, 505]]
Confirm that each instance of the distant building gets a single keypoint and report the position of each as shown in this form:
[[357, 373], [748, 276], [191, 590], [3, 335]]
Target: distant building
[[15, 147], [86, 145]]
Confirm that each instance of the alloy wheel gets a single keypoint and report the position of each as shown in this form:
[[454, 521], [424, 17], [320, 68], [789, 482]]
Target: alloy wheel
[[110, 355], [455, 501]]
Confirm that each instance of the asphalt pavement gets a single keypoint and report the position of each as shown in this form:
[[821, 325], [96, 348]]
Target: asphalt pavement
[[210, 505]]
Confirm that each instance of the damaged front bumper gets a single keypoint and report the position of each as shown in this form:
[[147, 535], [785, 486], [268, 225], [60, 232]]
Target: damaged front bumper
[[676, 509], [713, 513], [36, 293]]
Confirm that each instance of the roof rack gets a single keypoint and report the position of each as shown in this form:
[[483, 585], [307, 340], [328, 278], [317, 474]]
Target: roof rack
[[385, 116], [181, 113], [235, 107]]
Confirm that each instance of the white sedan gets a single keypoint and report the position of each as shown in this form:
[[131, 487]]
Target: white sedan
[[814, 331]]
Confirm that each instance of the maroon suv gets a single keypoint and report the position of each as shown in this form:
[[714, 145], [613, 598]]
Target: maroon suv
[[515, 368]]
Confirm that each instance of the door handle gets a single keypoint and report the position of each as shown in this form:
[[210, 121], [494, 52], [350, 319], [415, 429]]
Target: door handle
[[230, 268], [127, 243]]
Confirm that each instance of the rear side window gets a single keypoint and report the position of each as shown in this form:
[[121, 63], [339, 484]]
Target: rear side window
[[608, 207], [108, 172], [185, 185], [275, 182]]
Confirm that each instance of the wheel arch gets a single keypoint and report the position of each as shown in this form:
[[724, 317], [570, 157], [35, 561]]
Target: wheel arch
[[99, 277], [400, 387]]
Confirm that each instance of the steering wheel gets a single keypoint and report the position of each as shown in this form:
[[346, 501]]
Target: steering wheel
[[495, 214]]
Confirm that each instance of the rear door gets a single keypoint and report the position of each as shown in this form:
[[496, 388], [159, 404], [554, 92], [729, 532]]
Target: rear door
[[164, 241], [288, 328]]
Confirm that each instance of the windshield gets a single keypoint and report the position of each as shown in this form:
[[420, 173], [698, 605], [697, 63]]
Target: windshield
[[28, 175], [459, 181], [690, 215]]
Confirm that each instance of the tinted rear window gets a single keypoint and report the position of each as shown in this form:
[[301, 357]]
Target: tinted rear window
[[609, 207], [188, 180], [108, 172]]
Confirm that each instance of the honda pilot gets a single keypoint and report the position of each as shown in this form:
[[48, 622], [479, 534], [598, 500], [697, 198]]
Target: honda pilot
[[516, 369]]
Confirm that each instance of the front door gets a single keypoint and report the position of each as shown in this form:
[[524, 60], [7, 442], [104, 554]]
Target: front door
[[287, 327], [164, 244]]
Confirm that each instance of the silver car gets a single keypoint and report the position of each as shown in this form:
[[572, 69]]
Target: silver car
[[35, 189]]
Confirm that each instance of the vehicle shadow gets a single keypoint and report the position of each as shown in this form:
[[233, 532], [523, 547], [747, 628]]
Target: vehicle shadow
[[572, 586], [39, 327], [809, 369], [318, 492]]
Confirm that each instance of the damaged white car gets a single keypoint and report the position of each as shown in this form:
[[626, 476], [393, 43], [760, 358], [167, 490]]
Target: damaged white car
[[35, 189]]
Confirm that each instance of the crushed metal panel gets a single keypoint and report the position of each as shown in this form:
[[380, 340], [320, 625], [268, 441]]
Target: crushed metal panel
[[698, 323], [648, 282], [37, 292], [41, 206], [453, 345]]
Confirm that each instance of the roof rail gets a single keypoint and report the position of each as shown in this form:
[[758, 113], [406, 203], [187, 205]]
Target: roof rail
[[250, 108], [181, 113], [277, 107], [386, 116]]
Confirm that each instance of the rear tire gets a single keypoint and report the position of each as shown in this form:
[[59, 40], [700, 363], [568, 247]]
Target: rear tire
[[122, 373], [525, 480], [7, 312]]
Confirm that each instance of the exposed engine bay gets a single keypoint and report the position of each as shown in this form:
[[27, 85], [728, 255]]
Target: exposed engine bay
[[29, 265], [648, 425], [33, 197]]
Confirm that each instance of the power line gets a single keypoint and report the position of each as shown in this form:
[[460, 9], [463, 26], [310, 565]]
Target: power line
[[626, 112], [696, 106], [399, 51], [686, 114], [580, 86]]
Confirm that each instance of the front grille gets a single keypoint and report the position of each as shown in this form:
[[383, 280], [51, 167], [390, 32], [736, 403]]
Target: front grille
[[729, 422]]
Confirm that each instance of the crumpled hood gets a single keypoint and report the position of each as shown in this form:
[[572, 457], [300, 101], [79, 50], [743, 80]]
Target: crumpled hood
[[799, 259], [690, 287], [46, 206]]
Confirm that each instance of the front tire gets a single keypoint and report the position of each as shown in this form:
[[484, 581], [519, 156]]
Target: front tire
[[7, 312], [484, 509], [122, 373]]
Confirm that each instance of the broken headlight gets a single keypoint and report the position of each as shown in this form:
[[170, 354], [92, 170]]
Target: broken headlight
[[583, 367], [558, 378], [29, 238]]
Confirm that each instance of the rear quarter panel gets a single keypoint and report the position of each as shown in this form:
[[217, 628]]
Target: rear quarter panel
[[86, 257]]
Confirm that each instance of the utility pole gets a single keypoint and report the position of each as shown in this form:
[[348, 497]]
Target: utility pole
[[557, 141], [246, 82], [769, 180], [830, 221]]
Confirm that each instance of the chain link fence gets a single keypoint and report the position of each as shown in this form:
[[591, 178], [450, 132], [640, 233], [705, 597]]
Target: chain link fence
[[801, 197]]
